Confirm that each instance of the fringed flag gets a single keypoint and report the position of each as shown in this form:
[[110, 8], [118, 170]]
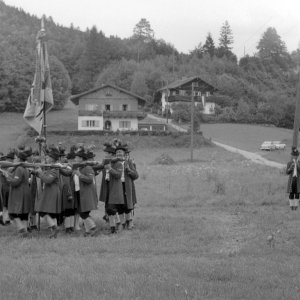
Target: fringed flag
[[40, 100]]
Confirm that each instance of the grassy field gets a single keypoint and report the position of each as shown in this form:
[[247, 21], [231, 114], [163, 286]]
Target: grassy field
[[200, 232], [250, 137]]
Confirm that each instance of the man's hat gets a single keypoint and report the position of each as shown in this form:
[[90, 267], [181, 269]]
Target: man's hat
[[53, 152], [294, 152], [11, 154], [81, 152], [22, 154], [109, 148], [89, 151], [118, 145], [71, 154]]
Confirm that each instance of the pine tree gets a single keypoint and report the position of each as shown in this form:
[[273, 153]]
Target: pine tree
[[225, 41], [209, 46], [270, 45], [143, 31]]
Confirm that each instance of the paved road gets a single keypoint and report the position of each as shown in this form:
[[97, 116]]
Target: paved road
[[249, 155]]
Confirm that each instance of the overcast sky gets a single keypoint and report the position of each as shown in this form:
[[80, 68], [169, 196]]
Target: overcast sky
[[183, 23]]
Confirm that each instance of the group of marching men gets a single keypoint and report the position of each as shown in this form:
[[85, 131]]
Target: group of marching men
[[63, 189]]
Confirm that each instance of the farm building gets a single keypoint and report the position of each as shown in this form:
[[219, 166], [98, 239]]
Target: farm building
[[180, 91], [109, 107], [150, 124]]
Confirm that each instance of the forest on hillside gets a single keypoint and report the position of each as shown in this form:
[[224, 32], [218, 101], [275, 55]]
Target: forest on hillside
[[254, 89]]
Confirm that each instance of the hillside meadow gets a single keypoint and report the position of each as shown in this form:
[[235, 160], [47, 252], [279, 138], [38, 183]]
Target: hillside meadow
[[200, 232]]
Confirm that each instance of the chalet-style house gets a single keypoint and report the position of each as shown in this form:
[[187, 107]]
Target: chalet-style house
[[109, 107], [180, 91]]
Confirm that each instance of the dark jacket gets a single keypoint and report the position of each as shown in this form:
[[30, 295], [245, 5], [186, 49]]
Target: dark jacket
[[88, 195], [111, 192], [130, 175], [19, 194], [289, 171], [50, 201]]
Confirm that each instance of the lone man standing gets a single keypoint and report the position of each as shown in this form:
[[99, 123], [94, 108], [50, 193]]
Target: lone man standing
[[293, 170]]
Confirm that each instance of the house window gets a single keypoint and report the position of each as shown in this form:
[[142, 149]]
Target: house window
[[125, 107], [90, 123], [107, 107], [91, 107], [108, 93], [207, 94], [182, 93], [124, 124]]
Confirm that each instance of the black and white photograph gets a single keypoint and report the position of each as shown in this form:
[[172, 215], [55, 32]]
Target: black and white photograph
[[149, 150]]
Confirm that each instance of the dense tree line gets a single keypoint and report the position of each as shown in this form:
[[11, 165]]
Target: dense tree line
[[258, 88]]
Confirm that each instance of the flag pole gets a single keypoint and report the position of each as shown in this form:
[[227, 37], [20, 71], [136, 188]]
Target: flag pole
[[44, 105], [192, 122], [297, 115]]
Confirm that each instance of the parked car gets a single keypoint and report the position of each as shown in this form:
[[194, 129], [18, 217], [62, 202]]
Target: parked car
[[279, 145], [268, 146], [272, 145]]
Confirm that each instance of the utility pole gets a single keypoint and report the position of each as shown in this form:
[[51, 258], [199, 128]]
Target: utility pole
[[297, 115], [192, 121]]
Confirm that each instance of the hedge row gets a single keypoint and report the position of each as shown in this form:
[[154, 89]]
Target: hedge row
[[118, 133]]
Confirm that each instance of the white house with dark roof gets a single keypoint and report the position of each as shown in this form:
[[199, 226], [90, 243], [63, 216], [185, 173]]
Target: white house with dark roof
[[180, 91], [110, 108]]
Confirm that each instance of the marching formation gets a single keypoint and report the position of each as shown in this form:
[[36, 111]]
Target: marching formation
[[62, 189]]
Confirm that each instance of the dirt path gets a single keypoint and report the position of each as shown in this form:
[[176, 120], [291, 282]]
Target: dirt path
[[249, 155], [252, 156]]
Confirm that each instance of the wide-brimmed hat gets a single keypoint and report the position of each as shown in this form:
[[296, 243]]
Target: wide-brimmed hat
[[119, 145], [109, 148], [53, 152], [80, 152], [22, 154], [294, 152], [11, 154], [71, 154]]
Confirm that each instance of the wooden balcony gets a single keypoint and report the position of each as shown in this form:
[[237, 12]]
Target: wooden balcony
[[89, 113], [124, 114], [113, 114], [184, 98]]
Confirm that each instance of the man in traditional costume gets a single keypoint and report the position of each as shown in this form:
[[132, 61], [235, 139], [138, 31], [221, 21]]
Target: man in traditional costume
[[111, 187], [68, 199], [129, 174], [293, 170], [19, 195], [4, 187], [49, 206], [85, 191]]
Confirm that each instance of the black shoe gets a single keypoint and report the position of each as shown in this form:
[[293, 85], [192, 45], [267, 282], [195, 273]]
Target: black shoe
[[93, 231], [113, 230], [54, 232], [33, 227]]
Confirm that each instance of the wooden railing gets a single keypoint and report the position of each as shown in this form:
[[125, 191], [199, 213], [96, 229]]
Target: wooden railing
[[113, 114]]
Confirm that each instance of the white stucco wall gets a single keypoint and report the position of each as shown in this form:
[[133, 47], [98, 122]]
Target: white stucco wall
[[82, 121], [163, 101], [115, 124]]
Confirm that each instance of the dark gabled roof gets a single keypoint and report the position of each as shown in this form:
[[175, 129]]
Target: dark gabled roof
[[75, 98], [181, 82]]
